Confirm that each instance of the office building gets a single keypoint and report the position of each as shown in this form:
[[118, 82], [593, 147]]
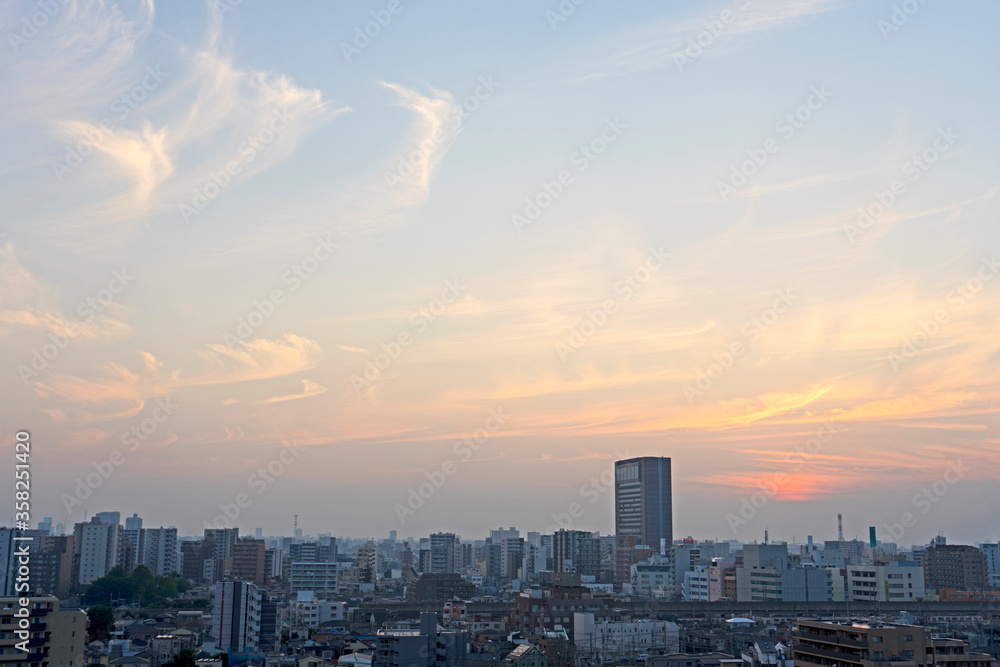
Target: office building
[[318, 578], [313, 552], [897, 582], [643, 503]]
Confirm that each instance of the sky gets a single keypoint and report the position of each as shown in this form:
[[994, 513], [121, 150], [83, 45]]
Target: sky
[[436, 266]]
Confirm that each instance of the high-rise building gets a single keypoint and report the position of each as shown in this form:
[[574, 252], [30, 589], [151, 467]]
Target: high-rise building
[[576, 551], [95, 549], [236, 617], [248, 560], [109, 517], [643, 510], [957, 566], [313, 552], [443, 552], [52, 566], [133, 535], [159, 550], [992, 552], [366, 561], [46, 524], [8, 561]]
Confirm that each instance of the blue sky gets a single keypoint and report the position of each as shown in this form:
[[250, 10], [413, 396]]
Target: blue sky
[[240, 144]]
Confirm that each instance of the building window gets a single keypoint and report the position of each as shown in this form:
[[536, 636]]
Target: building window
[[876, 639]]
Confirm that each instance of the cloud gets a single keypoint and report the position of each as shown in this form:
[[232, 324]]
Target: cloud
[[256, 359], [309, 388], [27, 302], [434, 130], [655, 46], [348, 348]]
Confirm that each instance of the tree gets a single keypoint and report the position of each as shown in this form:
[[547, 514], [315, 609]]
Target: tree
[[144, 584], [183, 659], [114, 585], [102, 620]]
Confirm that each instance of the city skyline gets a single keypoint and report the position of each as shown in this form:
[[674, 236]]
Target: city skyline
[[327, 257]]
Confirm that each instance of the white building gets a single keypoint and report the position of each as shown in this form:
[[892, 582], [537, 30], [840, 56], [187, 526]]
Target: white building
[[696, 584], [901, 581], [96, 544], [319, 578], [236, 618], [601, 639], [992, 552], [652, 578], [315, 613]]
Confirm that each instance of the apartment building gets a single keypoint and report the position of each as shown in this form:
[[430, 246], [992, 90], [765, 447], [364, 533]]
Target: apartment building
[[857, 644]]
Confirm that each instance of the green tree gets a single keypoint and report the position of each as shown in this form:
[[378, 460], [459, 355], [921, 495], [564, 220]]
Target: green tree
[[112, 586], [167, 587], [144, 585], [102, 621]]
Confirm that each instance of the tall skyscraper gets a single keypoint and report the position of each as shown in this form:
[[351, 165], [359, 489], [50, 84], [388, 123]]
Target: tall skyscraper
[[643, 512]]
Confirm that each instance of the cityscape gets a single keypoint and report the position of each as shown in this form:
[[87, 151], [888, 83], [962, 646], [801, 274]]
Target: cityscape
[[567, 597], [530, 333]]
